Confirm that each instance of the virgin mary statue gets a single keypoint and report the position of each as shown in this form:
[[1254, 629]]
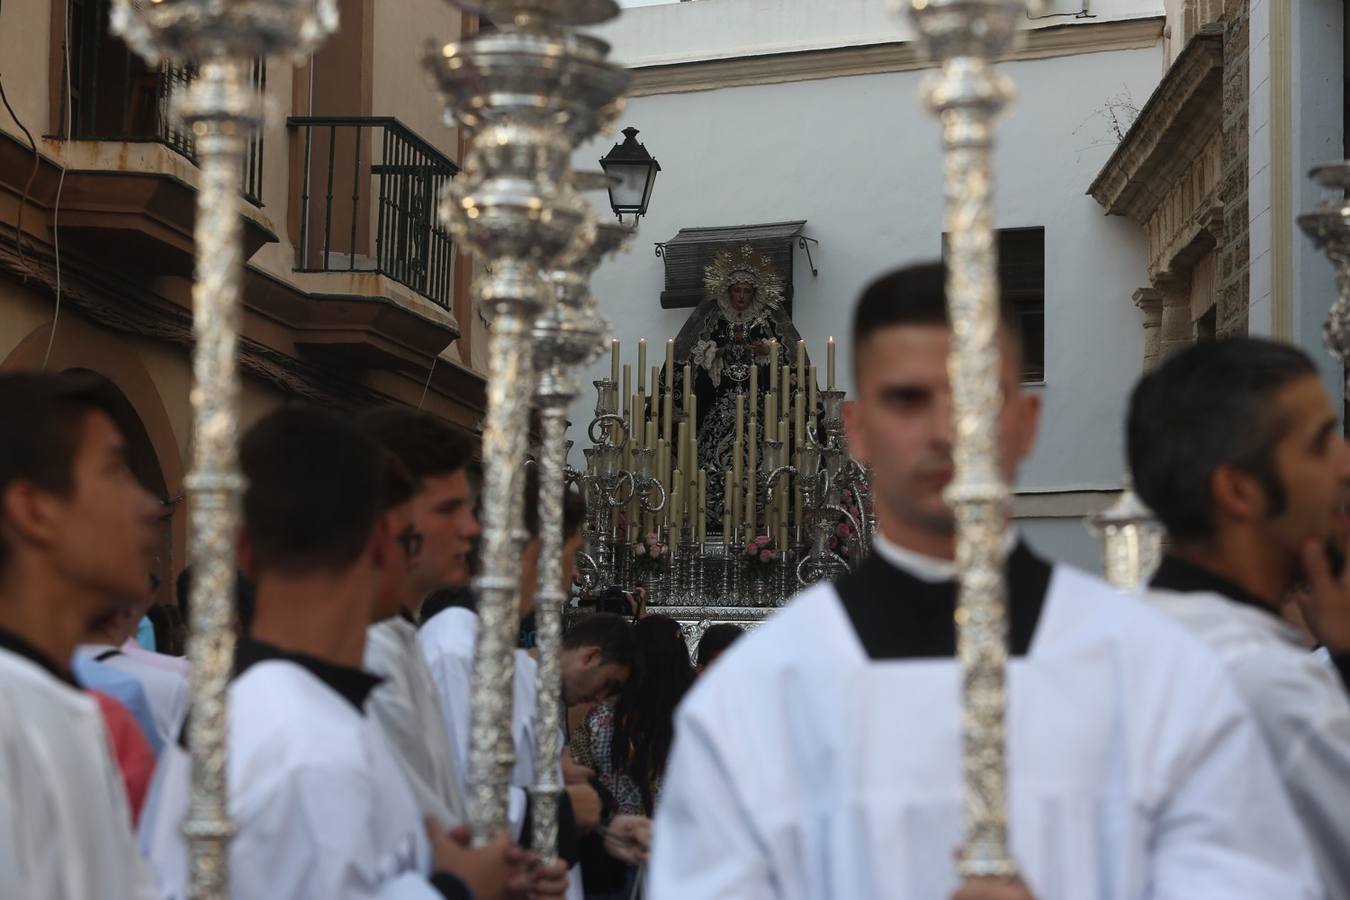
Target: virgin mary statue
[[731, 332]]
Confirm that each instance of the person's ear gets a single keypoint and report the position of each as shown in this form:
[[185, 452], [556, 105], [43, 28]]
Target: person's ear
[[591, 657], [1237, 494], [30, 512], [243, 548], [1031, 422], [852, 432]]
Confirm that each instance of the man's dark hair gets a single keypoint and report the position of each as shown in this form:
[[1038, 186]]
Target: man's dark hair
[[914, 295], [1207, 406], [427, 446], [396, 485], [716, 640], [611, 633], [574, 506], [42, 417], [313, 491]]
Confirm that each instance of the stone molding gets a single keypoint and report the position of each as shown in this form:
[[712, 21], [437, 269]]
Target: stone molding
[[1177, 124], [874, 59]]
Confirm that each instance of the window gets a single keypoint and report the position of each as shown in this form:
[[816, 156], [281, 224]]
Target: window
[[1021, 275]]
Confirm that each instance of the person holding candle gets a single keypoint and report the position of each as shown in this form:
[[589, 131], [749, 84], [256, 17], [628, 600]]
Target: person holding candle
[[1135, 771]]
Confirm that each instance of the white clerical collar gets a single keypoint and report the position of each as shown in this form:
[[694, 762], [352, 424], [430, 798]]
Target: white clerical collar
[[921, 566]]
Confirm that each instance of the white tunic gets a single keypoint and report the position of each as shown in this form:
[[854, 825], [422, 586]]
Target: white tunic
[[65, 828], [166, 690], [1301, 707], [804, 769], [407, 708], [447, 640], [321, 805]]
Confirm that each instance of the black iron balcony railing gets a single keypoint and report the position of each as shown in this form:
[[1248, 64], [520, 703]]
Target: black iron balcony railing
[[368, 202], [115, 96]]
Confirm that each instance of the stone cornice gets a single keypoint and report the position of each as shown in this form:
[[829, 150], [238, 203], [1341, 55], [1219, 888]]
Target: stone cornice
[[872, 59], [1175, 124]]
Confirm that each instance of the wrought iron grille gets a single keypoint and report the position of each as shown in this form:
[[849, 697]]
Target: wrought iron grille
[[115, 96], [368, 202]]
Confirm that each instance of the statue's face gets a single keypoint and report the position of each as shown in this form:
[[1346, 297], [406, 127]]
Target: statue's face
[[741, 294]]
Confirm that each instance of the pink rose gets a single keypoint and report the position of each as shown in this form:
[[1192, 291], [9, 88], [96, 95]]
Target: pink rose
[[762, 540], [640, 550], [842, 530], [751, 549], [766, 556], [653, 538]]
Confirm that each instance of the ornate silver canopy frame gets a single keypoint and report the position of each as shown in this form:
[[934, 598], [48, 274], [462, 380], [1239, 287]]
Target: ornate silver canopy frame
[[223, 111], [966, 36], [525, 94], [1131, 540]]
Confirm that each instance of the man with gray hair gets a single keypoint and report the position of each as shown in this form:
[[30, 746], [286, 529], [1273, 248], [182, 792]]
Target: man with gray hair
[[1238, 450]]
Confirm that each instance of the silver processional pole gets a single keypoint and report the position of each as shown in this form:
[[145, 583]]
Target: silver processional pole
[[223, 110], [525, 93], [965, 37]]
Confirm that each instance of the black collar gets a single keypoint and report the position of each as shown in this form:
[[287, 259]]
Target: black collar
[[1176, 574], [17, 645], [407, 616], [439, 601], [899, 616], [353, 685]]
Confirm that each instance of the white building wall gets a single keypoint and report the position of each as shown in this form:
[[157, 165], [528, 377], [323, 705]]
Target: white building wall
[[1295, 122], [859, 160]]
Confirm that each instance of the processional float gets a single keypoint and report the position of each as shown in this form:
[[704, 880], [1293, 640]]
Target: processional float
[[223, 110]]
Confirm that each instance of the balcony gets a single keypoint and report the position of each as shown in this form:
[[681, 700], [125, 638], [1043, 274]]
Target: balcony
[[115, 96], [368, 191]]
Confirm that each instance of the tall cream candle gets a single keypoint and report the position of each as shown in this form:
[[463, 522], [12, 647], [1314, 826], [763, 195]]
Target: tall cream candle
[[829, 364], [642, 365], [627, 390], [799, 419], [667, 414], [801, 364], [786, 392], [811, 399], [773, 365], [727, 524], [701, 524], [614, 360], [670, 363], [737, 454], [675, 519], [688, 387], [754, 386]]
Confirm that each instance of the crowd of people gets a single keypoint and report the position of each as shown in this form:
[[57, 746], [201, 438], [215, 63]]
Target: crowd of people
[[1192, 740]]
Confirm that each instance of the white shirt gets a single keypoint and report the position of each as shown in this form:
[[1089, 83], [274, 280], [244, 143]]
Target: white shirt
[[803, 769], [406, 707], [321, 805], [65, 827], [166, 691], [1301, 707]]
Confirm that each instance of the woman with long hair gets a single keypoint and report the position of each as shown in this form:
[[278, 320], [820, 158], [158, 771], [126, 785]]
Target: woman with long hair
[[644, 716]]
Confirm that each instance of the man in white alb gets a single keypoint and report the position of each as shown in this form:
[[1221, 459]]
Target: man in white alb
[[1236, 447], [77, 539], [821, 756]]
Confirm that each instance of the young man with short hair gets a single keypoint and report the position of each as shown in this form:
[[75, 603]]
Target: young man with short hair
[[436, 501], [448, 637], [1236, 447], [821, 755], [321, 804], [77, 538]]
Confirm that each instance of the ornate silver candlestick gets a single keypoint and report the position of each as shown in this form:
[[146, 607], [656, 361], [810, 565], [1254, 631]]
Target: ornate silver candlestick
[[222, 110], [1131, 540], [965, 36], [567, 335], [525, 94], [1329, 228]]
